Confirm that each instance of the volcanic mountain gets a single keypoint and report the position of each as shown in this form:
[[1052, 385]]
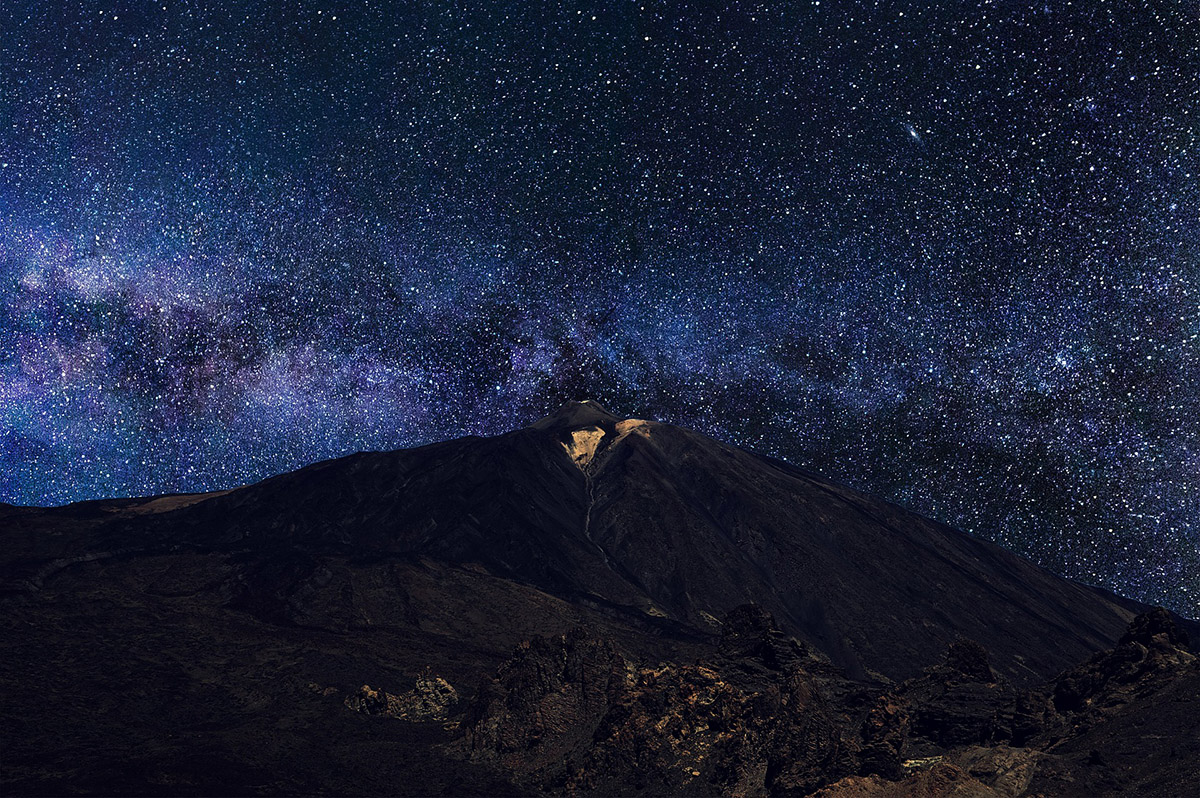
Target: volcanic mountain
[[662, 526], [200, 635]]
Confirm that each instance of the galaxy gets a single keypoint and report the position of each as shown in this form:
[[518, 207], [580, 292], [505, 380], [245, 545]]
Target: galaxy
[[948, 253]]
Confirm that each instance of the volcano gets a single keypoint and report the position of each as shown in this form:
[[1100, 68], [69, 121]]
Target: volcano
[[217, 642]]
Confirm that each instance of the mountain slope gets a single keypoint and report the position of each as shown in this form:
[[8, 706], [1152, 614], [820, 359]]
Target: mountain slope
[[663, 526]]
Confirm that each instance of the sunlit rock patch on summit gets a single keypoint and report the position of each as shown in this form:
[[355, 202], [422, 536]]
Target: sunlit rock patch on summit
[[582, 445], [583, 440]]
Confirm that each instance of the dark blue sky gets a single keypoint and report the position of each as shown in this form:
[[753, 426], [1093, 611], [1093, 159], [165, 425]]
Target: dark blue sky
[[945, 252]]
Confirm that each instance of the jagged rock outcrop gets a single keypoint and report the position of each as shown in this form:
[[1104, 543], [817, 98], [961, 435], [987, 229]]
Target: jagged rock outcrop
[[1087, 732], [884, 737], [571, 713], [1153, 650], [1150, 656], [680, 729], [766, 716], [545, 703], [752, 641], [961, 701], [1158, 627], [433, 699]]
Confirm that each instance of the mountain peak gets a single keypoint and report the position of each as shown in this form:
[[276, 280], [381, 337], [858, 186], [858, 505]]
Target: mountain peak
[[575, 414]]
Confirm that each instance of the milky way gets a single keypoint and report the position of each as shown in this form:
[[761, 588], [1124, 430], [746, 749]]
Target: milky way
[[945, 252]]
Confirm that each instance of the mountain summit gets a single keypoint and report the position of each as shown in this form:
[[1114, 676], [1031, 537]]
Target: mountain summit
[[584, 413]]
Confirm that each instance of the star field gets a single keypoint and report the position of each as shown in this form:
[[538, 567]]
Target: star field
[[947, 253]]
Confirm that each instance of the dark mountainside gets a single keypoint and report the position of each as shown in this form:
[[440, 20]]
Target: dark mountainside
[[590, 604]]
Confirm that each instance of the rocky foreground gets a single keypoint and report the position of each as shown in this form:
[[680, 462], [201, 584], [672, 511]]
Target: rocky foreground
[[763, 716]]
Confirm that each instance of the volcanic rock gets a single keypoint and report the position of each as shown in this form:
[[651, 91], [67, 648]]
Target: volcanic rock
[[571, 713], [431, 700], [1150, 654], [641, 607], [961, 701]]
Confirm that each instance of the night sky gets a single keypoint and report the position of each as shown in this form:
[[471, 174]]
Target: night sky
[[949, 255]]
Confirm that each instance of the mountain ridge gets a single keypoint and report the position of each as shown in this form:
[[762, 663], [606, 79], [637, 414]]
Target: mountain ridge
[[650, 519]]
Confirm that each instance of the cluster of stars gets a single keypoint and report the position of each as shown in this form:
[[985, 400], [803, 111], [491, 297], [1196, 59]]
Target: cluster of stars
[[945, 252]]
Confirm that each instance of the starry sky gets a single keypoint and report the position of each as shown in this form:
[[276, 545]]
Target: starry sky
[[945, 252]]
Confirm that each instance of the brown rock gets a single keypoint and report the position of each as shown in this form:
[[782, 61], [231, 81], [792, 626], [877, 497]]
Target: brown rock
[[940, 781], [431, 700]]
